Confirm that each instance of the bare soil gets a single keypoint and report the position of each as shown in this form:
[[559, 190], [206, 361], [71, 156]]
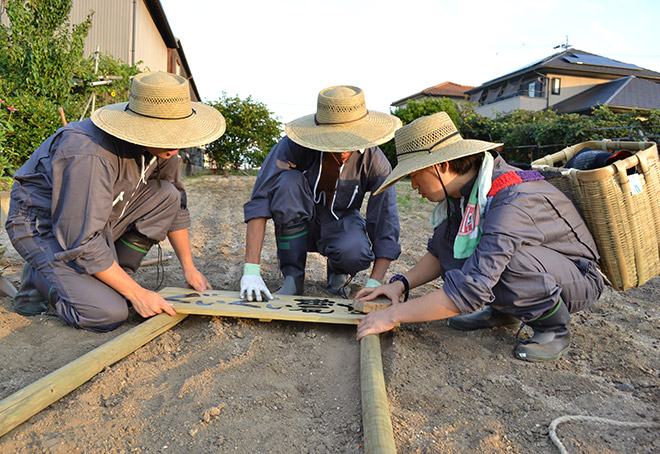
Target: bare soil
[[234, 385]]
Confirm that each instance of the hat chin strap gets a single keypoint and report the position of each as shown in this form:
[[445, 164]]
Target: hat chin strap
[[446, 199]]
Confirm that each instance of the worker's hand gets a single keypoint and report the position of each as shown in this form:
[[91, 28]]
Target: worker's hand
[[148, 303], [252, 285], [392, 291], [376, 322], [196, 280]]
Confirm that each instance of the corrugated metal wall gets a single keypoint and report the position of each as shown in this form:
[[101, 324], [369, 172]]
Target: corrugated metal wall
[[150, 47], [112, 31]]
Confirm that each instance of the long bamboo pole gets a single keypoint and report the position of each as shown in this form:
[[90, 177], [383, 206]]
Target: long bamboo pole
[[30, 400], [378, 434]]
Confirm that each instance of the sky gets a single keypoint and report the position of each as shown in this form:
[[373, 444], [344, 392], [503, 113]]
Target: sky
[[283, 52]]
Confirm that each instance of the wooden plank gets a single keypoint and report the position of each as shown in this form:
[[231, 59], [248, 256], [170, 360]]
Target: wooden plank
[[32, 399], [374, 305], [283, 307], [378, 434]]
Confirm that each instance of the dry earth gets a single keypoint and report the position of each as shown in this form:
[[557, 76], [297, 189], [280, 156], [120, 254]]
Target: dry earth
[[232, 385]]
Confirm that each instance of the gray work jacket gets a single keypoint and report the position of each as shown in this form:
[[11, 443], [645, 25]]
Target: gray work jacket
[[532, 213], [83, 180]]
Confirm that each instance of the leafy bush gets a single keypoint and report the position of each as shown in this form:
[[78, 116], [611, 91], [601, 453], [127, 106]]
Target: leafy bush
[[528, 135], [251, 132], [419, 108]]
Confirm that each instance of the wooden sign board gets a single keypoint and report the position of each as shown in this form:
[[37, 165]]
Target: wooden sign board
[[282, 307]]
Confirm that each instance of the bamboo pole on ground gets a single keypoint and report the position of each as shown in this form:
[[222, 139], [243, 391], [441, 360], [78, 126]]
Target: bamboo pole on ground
[[30, 400], [378, 434]]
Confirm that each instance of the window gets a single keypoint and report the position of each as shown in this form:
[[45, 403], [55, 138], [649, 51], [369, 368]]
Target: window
[[556, 85], [531, 89]]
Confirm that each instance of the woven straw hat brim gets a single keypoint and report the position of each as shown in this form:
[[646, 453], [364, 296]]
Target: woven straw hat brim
[[205, 126], [413, 162], [374, 130]]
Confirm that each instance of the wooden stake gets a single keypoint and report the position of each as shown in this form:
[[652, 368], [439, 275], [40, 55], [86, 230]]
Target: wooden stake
[[154, 261], [378, 434], [369, 306], [62, 116], [30, 400]]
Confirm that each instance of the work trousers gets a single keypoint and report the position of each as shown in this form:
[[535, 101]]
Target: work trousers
[[84, 301], [343, 241], [534, 280]]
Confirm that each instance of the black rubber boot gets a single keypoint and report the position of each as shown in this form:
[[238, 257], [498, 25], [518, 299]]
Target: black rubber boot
[[131, 248], [337, 282], [292, 255], [551, 337], [486, 318], [34, 294]]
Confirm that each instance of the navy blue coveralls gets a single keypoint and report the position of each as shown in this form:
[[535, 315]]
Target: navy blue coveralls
[[286, 191]]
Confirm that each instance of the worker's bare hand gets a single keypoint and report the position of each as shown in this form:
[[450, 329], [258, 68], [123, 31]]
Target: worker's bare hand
[[376, 322], [148, 303], [391, 291], [196, 280]]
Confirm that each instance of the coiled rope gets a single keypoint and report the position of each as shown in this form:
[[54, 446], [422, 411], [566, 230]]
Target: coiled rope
[[561, 419]]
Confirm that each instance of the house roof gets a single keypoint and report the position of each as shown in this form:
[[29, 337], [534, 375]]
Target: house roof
[[577, 62], [445, 89], [626, 93]]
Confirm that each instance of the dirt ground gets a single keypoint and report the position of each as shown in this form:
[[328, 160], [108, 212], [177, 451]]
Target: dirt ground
[[237, 385]]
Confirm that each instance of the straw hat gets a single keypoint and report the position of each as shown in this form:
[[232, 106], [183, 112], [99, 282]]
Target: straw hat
[[428, 141], [342, 123], [159, 114]]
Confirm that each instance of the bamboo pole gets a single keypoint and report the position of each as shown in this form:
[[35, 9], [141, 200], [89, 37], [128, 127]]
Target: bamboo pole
[[30, 400], [378, 435]]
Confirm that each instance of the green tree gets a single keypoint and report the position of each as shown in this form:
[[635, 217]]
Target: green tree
[[42, 68], [41, 49], [420, 108], [251, 132]]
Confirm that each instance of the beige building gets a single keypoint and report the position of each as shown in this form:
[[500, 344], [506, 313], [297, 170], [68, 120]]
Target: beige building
[[570, 81]]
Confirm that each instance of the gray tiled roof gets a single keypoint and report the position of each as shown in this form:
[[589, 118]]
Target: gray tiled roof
[[624, 93], [577, 62]]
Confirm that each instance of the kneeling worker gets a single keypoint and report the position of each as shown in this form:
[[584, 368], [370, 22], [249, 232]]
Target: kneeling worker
[[96, 195], [312, 185], [504, 238]]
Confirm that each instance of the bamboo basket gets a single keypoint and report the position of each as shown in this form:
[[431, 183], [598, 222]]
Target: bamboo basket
[[622, 211]]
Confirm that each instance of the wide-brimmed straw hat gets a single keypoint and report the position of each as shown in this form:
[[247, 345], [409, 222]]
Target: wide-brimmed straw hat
[[428, 141], [159, 114], [342, 123]]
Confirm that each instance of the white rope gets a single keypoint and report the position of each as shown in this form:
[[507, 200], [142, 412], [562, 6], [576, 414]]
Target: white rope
[[561, 419]]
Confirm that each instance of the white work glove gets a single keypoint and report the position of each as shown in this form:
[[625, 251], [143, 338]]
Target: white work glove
[[252, 285]]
